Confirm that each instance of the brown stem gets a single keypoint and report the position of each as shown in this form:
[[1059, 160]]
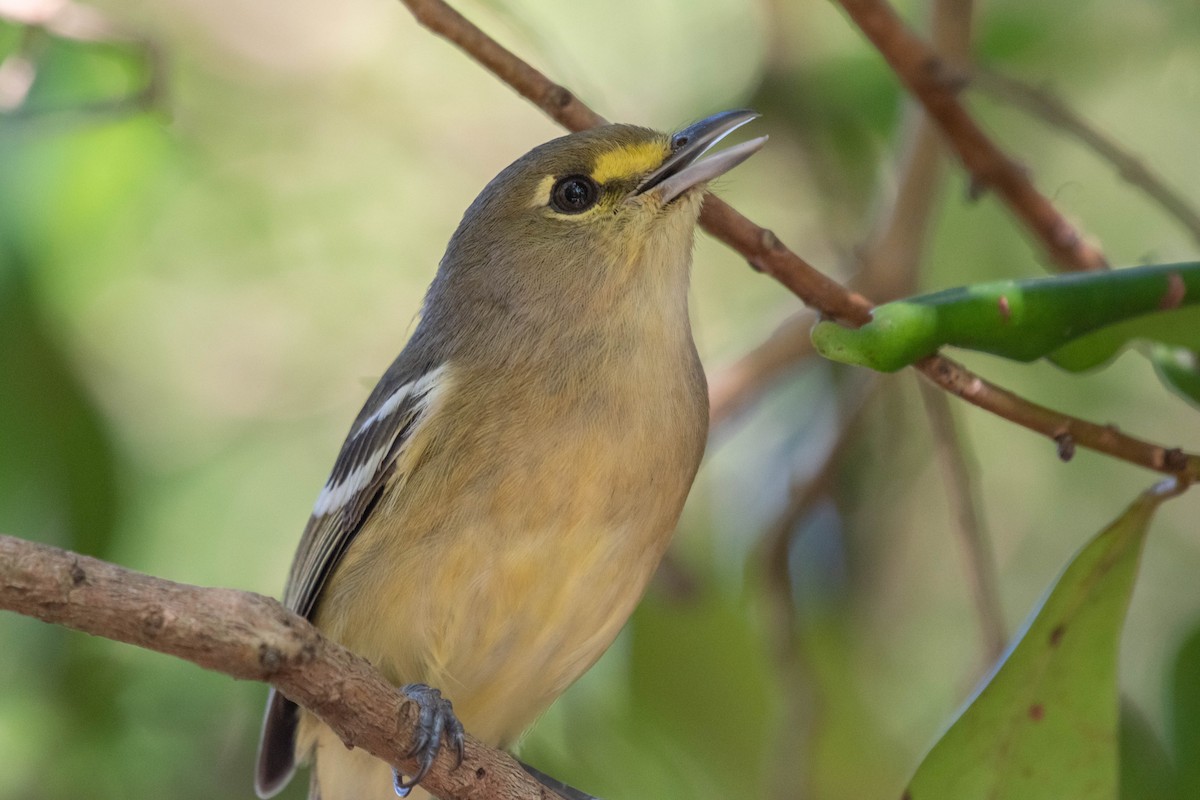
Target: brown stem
[[557, 101], [960, 491], [251, 637], [802, 707], [927, 77], [1052, 110], [737, 385], [1058, 427]]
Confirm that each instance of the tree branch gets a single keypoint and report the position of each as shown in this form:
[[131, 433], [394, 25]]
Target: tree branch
[[557, 101], [1064, 430], [767, 253], [1052, 110], [926, 76], [981, 570], [251, 637], [800, 708]]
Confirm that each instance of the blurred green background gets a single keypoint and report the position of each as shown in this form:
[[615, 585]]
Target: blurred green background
[[196, 297]]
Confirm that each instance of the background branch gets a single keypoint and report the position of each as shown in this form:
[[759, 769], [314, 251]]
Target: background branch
[[251, 637], [801, 710], [981, 570], [890, 261], [1045, 105], [926, 76], [736, 386]]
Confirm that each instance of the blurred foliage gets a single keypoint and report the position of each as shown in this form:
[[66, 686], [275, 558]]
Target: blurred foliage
[[198, 287]]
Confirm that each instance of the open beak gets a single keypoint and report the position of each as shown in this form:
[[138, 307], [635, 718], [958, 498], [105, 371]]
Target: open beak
[[683, 169]]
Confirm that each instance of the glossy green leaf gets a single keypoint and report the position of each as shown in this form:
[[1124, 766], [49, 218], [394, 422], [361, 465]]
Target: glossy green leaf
[[1078, 320], [1178, 327], [1045, 726], [1179, 368]]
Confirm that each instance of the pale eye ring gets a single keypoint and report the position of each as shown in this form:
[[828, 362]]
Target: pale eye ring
[[574, 194]]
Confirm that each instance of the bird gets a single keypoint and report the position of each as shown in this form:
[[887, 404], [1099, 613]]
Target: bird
[[512, 481]]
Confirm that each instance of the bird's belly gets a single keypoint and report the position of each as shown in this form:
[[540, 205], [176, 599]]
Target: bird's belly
[[501, 616], [533, 620]]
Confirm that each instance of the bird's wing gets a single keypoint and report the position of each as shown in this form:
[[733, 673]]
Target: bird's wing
[[363, 468], [366, 464]]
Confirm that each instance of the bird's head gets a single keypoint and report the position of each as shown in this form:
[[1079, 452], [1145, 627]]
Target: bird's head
[[593, 214]]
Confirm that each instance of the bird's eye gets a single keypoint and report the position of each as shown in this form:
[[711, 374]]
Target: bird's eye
[[573, 194]]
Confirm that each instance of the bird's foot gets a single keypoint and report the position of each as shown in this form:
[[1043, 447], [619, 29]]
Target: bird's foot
[[555, 785], [435, 719]]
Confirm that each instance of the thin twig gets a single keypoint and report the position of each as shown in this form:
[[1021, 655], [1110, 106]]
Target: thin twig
[[929, 79], [964, 502], [250, 637], [1064, 430], [1054, 111], [555, 100], [805, 493], [890, 262], [801, 707], [890, 257], [766, 252]]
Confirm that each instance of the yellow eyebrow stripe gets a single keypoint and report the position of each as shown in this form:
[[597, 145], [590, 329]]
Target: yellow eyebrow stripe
[[629, 161]]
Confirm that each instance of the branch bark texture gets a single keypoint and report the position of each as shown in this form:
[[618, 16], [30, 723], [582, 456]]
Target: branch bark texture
[[252, 637]]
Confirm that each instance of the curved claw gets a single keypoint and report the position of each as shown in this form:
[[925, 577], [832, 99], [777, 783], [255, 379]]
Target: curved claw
[[435, 719]]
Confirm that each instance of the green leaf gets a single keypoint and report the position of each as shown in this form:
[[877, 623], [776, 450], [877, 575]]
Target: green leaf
[[1179, 327], [1031, 319], [1146, 769], [1183, 714], [1045, 725], [1178, 368]]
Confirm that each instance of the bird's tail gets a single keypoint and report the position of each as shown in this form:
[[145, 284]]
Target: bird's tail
[[340, 773], [277, 746]]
